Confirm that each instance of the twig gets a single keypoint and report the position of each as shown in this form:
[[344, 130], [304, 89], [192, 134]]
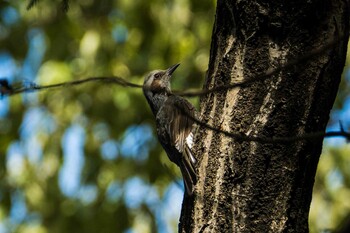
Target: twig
[[266, 75], [8, 90], [188, 93], [276, 140]]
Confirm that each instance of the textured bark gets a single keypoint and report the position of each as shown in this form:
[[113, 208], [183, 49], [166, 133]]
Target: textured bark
[[265, 187]]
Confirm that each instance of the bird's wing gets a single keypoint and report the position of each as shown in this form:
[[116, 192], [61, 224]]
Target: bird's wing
[[181, 120], [180, 116]]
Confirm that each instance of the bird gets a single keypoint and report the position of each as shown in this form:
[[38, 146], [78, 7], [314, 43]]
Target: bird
[[174, 121]]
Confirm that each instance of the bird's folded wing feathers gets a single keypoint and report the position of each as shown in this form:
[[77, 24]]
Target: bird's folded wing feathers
[[179, 114], [181, 121]]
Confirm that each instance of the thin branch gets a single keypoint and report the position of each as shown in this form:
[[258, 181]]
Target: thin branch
[[189, 93], [313, 136], [280, 140], [266, 75], [6, 89]]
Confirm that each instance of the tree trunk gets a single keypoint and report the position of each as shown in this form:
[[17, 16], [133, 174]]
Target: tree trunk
[[249, 186]]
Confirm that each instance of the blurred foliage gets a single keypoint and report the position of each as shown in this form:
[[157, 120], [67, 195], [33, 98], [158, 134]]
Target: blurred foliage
[[85, 159], [330, 208], [331, 203]]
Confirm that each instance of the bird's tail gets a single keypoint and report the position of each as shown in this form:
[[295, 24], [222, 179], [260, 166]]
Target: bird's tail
[[187, 167]]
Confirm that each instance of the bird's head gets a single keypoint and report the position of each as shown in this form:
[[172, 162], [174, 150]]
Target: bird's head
[[158, 81]]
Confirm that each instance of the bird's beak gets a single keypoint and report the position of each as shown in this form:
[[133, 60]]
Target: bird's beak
[[172, 68]]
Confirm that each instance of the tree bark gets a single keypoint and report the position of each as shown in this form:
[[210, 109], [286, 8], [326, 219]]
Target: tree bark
[[248, 186]]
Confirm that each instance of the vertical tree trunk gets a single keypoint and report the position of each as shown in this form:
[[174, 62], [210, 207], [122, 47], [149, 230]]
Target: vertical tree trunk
[[265, 187]]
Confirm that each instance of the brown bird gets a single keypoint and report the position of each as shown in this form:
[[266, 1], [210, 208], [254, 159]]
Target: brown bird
[[174, 121]]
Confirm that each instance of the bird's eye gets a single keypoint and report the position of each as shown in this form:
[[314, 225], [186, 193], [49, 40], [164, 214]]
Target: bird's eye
[[157, 76]]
